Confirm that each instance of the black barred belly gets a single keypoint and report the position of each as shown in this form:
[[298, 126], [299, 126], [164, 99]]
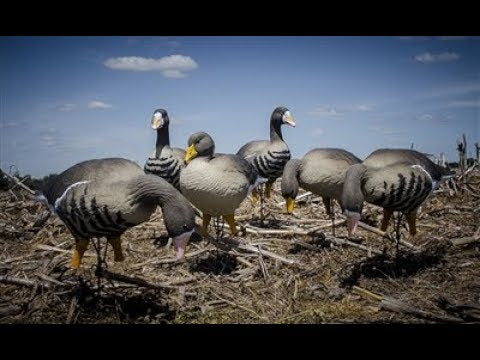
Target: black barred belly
[[166, 168], [407, 194], [271, 165], [88, 219]]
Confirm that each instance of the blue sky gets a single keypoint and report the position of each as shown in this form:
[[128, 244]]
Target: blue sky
[[68, 99]]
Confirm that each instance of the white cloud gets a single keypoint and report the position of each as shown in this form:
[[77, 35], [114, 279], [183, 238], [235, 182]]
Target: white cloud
[[363, 108], [325, 111], [425, 117], [458, 89], [172, 66], [429, 58], [48, 137], [95, 104], [386, 131], [66, 107], [465, 103]]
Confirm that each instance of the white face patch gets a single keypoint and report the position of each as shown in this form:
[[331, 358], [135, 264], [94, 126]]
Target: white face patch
[[180, 243], [287, 118], [60, 199], [157, 121]]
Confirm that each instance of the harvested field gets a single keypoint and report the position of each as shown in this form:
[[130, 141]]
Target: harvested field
[[291, 269]]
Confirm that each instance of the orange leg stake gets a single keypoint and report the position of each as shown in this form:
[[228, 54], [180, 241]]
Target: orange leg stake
[[230, 219], [412, 223], [80, 248], [117, 248], [206, 222]]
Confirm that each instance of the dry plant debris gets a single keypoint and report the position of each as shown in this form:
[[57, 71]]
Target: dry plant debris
[[290, 269]]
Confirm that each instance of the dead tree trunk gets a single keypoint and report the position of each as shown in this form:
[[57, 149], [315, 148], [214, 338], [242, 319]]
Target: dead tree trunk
[[462, 154], [477, 149], [443, 160]]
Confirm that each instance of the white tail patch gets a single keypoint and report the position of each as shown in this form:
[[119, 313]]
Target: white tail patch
[[434, 183], [42, 199], [260, 180], [60, 199]]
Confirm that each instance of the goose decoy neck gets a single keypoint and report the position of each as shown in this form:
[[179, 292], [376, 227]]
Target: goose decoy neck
[[352, 196], [150, 188], [281, 115], [289, 185], [275, 130], [163, 139], [178, 214], [160, 122]]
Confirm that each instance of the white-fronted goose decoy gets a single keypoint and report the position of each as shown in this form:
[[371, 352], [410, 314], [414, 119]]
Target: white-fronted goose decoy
[[105, 197], [321, 171], [215, 183], [395, 179], [166, 162], [269, 157]]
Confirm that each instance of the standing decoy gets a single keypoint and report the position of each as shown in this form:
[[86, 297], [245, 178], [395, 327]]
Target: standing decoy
[[165, 161], [105, 197], [396, 180], [215, 183], [269, 156], [321, 171]]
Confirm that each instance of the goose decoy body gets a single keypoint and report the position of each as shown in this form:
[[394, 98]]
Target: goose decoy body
[[215, 183], [321, 171], [165, 161], [105, 197], [394, 179], [270, 156]]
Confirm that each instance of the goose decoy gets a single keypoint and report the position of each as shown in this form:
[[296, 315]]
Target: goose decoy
[[269, 157], [165, 161], [215, 183], [320, 171], [394, 179], [105, 197]]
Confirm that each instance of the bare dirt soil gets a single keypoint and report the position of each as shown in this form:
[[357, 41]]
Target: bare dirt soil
[[301, 276]]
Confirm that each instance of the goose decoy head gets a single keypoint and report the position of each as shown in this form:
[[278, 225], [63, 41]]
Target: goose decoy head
[[352, 196], [281, 115], [180, 240], [160, 119], [199, 144]]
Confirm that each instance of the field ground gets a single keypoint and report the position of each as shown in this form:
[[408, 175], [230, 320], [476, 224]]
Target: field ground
[[327, 282]]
